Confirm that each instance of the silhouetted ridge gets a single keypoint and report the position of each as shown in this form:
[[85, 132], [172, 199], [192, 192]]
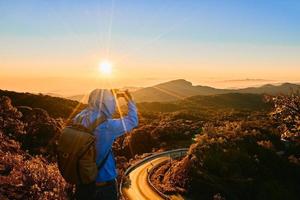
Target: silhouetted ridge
[[55, 106], [180, 89], [178, 82]]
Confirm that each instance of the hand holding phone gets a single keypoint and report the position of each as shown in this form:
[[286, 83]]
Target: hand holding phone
[[123, 94], [127, 96], [120, 94]]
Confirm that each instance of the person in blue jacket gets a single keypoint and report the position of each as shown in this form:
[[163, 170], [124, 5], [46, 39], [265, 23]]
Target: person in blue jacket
[[102, 102]]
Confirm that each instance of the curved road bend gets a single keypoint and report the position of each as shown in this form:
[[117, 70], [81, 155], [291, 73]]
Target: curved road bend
[[139, 189]]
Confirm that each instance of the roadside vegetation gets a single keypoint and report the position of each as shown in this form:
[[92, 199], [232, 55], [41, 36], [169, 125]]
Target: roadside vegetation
[[240, 145], [253, 158]]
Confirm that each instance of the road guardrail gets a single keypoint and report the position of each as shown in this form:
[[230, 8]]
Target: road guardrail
[[177, 153]]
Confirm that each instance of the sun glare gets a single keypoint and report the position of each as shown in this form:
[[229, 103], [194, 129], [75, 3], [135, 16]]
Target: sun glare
[[105, 68]]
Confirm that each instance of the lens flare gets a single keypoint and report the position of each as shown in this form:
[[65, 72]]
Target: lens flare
[[105, 68]]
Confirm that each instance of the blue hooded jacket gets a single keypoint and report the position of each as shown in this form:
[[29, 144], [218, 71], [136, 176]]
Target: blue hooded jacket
[[102, 102]]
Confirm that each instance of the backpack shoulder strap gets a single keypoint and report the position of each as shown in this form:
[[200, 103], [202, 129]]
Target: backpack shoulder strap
[[92, 127], [103, 161], [96, 123]]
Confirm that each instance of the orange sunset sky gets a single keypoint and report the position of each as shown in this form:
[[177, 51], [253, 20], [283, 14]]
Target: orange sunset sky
[[57, 46]]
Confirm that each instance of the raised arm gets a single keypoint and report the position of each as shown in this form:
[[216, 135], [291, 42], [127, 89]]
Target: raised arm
[[120, 126]]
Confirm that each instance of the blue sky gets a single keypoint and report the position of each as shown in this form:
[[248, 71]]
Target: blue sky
[[261, 21], [242, 37]]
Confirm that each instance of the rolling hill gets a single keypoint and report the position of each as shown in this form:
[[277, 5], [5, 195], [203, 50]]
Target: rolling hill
[[229, 101], [180, 89], [61, 107], [55, 106]]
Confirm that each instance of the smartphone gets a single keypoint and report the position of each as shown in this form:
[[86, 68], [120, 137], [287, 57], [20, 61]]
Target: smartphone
[[120, 94]]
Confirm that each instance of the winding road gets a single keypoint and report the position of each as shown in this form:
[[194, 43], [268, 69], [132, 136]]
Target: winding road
[[137, 186]]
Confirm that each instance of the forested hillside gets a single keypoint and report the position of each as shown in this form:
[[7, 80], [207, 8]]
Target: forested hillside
[[234, 140], [55, 106], [243, 158]]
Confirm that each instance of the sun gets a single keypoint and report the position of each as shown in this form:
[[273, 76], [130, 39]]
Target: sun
[[105, 68]]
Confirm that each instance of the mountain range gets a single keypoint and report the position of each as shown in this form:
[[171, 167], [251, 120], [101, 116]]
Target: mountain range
[[181, 89]]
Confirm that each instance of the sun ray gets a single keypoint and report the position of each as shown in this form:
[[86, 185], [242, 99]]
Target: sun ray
[[110, 25], [68, 26], [76, 108], [151, 41], [119, 110], [178, 96]]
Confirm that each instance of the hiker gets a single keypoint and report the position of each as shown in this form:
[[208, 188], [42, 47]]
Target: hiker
[[102, 103]]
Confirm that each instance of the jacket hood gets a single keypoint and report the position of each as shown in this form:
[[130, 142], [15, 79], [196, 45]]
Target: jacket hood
[[101, 102]]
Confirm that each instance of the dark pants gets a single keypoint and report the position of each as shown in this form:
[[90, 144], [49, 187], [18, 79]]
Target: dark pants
[[93, 192]]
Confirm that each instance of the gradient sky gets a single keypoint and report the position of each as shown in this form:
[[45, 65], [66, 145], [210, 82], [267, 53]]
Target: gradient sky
[[56, 45]]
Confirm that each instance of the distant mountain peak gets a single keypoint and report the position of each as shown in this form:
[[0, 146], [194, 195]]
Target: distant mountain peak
[[288, 84], [177, 82], [267, 85], [180, 88]]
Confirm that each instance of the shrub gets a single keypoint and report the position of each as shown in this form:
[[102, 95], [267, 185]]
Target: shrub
[[287, 112], [23, 176]]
